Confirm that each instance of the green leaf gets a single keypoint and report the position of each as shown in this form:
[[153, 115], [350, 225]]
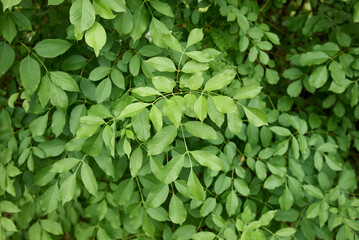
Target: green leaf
[[51, 226], [7, 57], [159, 214], [145, 91], [286, 200], [58, 97], [158, 30], [88, 179], [172, 42], [231, 203], [286, 232], [162, 7], [51, 48], [318, 77], [171, 171], [161, 140], [241, 186], [157, 196], [177, 212], [95, 37], [273, 37], [30, 74], [313, 191], [224, 104], [58, 122], [207, 207], [64, 81], [195, 81], [161, 64], [267, 217], [234, 122], [116, 5], [194, 187], [99, 73], [8, 4], [82, 15], [313, 58], [67, 189], [200, 108], [200, 56], [39, 125], [7, 224], [9, 207], [356, 13], [249, 91], [136, 161], [103, 90], [132, 109], [255, 116], [156, 117], [194, 36], [208, 159], [220, 80], [163, 84], [201, 130], [173, 111], [135, 64], [64, 165], [55, 2], [104, 161], [204, 236], [280, 131], [139, 22], [35, 231], [102, 9]]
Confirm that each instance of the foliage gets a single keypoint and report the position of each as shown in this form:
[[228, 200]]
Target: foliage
[[180, 119]]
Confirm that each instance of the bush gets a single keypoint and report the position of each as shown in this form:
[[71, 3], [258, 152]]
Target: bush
[[180, 119]]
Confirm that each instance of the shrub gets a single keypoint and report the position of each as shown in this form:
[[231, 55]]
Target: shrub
[[228, 119]]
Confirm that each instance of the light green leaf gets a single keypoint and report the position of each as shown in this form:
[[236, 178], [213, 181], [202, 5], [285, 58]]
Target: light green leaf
[[318, 77], [82, 15], [88, 179], [157, 196], [200, 56], [249, 91], [208, 159], [9, 207], [132, 109], [201, 130], [103, 90], [231, 203], [200, 108], [51, 48], [173, 111], [194, 187], [313, 58], [7, 224], [136, 161], [163, 84], [286, 200], [162, 7], [286, 232], [220, 80], [224, 104], [8, 4], [280, 131], [204, 236], [195, 81], [139, 23], [356, 13], [194, 67], [30, 74], [39, 125], [313, 191], [156, 117], [172, 169], [95, 37], [145, 91], [92, 120], [135, 64], [51, 226], [161, 64], [234, 122], [116, 5], [102, 9], [241, 186], [177, 212], [64, 165], [67, 189], [64, 81], [194, 36], [161, 140], [172, 42], [255, 116]]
